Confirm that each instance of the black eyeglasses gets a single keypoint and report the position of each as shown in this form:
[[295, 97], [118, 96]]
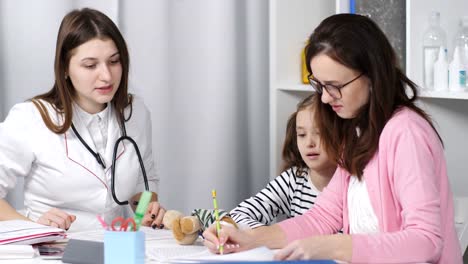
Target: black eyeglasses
[[333, 90]]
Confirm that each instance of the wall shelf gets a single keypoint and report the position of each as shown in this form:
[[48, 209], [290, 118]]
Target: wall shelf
[[295, 87], [443, 94]]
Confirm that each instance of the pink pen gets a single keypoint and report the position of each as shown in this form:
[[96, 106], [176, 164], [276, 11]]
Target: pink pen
[[103, 223]]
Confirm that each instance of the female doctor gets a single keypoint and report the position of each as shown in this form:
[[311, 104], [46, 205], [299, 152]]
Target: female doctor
[[62, 142]]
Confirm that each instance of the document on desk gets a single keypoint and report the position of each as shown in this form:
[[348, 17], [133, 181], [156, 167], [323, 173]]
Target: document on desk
[[167, 252], [27, 232], [199, 253], [16, 251], [98, 235], [256, 254]]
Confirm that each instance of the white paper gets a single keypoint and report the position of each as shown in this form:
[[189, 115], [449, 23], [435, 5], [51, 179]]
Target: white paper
[[197, 253], [22, 232], [98, 235], [166, 252], [257, 254], [16, 251]]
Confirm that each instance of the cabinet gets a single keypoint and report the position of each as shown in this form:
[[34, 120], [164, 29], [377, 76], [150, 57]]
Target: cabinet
[[291, 22]]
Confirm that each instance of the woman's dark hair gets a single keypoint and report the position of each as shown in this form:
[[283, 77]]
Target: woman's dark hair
[[78, 27], [291, 155], [357, 42]]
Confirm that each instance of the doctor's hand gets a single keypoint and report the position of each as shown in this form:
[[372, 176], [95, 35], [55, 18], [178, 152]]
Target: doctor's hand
[[154, 216], [231, 238], [56, 218]]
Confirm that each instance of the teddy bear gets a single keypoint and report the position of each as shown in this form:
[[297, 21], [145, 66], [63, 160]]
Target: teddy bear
[[186, 229]]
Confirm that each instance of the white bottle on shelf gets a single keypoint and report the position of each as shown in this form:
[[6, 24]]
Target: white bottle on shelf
[[457, 72], [461, 40], [441, 71], [434, 38]]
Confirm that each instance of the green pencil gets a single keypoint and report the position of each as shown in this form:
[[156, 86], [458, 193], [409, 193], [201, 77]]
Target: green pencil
[[218, 226]]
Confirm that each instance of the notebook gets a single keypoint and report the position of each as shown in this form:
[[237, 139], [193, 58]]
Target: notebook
[[23, 232]]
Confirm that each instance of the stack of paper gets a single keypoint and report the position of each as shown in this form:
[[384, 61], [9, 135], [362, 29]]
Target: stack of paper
[[98, 235], [27, 232]]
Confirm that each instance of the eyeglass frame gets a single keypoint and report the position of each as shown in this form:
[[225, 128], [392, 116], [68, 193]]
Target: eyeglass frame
[[319, 86]]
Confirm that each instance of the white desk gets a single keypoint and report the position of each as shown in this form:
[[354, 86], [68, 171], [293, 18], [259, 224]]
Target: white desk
[[162, 244], [155, 239]]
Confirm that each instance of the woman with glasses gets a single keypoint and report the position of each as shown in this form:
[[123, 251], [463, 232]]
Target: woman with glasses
[[390, 193]]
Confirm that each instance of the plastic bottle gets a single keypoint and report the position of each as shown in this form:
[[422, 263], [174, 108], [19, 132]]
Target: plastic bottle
[[457, 72], [441, 71], [461, 40], [434, 38]]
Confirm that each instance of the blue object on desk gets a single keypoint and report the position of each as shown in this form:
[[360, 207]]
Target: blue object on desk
[[124, 247]]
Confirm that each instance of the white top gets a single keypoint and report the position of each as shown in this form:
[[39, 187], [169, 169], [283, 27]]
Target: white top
[[60, 172], [362, 219], [97, 125]]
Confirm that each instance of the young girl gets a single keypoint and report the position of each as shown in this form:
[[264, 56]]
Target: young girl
[[390, 193], [306, 171]]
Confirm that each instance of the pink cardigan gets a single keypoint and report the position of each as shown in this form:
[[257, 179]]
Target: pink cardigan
[[410, 194]]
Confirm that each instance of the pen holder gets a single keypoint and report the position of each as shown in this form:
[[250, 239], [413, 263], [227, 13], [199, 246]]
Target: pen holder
[[124, 247]]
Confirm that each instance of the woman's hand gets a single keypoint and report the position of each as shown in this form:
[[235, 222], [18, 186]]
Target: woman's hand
[[336, 247], [56, 218], [154, 216], [231, 238]]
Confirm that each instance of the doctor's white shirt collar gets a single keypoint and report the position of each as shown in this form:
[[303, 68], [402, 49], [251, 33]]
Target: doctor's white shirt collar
[[97, 125], [88, 119]]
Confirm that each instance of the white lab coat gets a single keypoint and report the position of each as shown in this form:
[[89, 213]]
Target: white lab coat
[[60, 172]]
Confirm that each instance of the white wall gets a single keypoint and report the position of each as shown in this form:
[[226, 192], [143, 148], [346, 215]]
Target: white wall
[[27, 69], [450, 115], [451, 119], [201, 68], [204, 68], [28, 58]]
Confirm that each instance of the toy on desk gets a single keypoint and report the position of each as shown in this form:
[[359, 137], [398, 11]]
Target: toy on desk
[[186, 229]]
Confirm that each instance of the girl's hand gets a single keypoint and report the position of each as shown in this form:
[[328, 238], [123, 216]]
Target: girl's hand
[[231, 238], [56, 218]]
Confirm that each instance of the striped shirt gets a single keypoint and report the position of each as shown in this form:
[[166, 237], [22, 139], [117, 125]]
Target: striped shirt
[[289, 194]]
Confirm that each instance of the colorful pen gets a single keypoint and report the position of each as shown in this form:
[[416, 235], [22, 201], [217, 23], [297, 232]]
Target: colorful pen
[[140, 211], [218, 226]]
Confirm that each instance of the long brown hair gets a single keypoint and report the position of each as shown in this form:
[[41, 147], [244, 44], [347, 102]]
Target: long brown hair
[[78, 27], [357, 42], [291, 155]]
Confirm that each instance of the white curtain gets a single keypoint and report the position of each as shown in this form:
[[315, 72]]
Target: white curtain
[[202, 69]]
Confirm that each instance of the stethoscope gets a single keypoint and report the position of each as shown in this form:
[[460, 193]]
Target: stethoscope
[[100, 160]]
